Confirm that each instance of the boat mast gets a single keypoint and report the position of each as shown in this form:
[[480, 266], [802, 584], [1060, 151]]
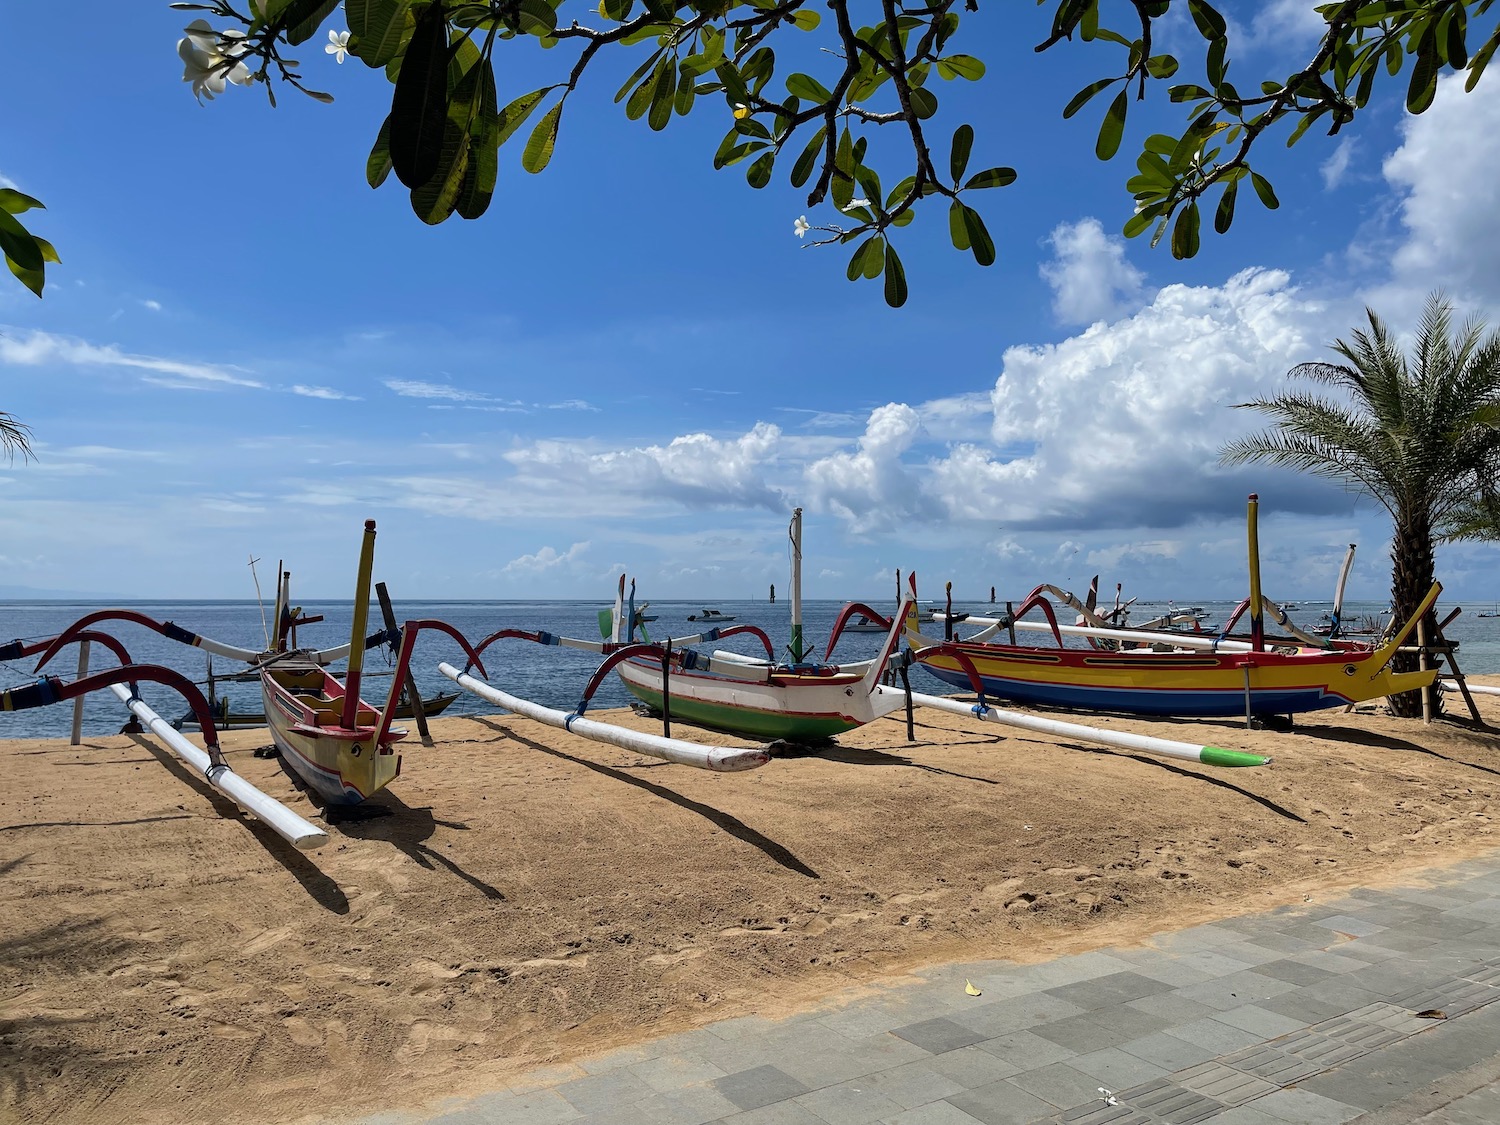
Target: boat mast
[[361, 617], [1257, 622], [795, 533], [1338, 593]]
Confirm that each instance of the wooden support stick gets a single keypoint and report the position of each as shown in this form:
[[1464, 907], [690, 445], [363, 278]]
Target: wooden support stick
[[1458, 676], [1422, 667], [76, 739], [417, 710]]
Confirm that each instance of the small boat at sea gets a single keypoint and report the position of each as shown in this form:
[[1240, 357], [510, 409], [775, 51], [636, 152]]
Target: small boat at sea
[[709, 615], [863, 624]]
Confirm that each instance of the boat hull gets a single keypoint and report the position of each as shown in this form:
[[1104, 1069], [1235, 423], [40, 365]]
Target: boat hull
[[344, 765], [1199, 685], [793, 708]]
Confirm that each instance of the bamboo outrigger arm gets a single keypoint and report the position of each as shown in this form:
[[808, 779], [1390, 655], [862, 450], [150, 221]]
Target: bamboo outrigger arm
[[720, 759], [409, 633], [177, 633], [604, 648]]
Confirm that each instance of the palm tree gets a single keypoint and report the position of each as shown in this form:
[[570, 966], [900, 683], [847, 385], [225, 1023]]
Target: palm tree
[[15, 437], [1419, 435]]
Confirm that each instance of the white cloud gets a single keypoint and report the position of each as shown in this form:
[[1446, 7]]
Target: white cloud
[[35, 349], [1090, 277], [154, 306], [1448, 171], [870, 487], [323, 392], [569, 404], [548, 558], [1336, 166], [695, 470], [1287, 24], [417, 388]]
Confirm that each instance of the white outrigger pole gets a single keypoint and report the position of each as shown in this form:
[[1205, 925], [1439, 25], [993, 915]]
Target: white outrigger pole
[[794, 532], [1124, 740], [269, 811], [720, 759]]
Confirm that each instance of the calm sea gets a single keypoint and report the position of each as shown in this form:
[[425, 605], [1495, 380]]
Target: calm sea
[[551, 676]]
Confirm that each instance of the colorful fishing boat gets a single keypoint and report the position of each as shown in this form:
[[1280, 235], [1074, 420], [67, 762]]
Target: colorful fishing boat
[[796, 701], [1173, 673], [340, 745]]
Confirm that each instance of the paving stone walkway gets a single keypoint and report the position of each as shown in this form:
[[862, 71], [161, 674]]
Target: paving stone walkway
[[1307, 1014]]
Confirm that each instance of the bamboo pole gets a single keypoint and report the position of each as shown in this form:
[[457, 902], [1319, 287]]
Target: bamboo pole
[[1257, 622], [1124, 740], [721, 759], [388, 614], [1422, 667], [76, 737], [271, 812], [795, 533], [357, 632]]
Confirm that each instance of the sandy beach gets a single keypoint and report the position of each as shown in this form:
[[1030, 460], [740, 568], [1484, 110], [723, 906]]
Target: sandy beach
[[534, 897]]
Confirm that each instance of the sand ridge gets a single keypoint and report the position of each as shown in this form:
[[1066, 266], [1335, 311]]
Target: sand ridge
[[535, 897]]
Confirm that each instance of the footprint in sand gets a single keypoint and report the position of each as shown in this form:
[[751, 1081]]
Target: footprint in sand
[[266, 939], [1023, 901], [303, 1033], [690, 953]]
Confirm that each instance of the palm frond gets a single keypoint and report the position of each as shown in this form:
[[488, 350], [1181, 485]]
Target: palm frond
[[15, 437]]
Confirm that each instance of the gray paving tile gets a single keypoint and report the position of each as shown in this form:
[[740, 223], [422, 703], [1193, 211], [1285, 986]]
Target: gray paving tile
[[1117, 1069], [1266, 1062], [780, 1113], [1172, 1007], [1294, 972], [938, 1035], [1250, 952], [973, 1066], [937, 1113], [1103, 1028], [603, 1091], [1002, 1103], [1195, 938], [1029, 1010], [1025, 1050], [1167, 1051], [1236, 990], [619, 1059], [914, 1084], [1062, 1085], [1165, 1101], [1402, 942], [1104, 1110], [693, 1105], [1332, 962], [1108, 991], [1252, 1017], [1211, 1033], [673, 1072], [817, 1069], [1245, 1115], [1306, 1108], [882, 1051], [536, 1107], [1069, 970], [850, 1103], [1319, 1001], [759, 1086]]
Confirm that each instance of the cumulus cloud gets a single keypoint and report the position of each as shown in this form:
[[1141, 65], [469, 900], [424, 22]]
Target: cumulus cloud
[[694, 470], [34, 349], [1447, 170], [870, 485], [1090, 278], [548, 558]]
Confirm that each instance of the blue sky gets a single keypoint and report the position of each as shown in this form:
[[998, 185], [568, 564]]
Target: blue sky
[[631, 362]]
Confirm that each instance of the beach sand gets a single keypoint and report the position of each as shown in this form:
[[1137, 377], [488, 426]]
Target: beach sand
[[535, 897]]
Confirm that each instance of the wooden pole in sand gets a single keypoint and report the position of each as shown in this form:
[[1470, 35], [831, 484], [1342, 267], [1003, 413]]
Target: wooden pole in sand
[[76, 738], [1422, 667], [418, 712]]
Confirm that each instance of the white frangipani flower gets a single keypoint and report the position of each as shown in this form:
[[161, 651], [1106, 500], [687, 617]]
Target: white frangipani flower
[[210, 59], [338, 45], [853, 203], [801, 226]]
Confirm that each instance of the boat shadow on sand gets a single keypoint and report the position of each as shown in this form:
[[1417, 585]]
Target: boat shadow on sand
[[1357, 737], [386, 818], [322, 889], [729, 823]]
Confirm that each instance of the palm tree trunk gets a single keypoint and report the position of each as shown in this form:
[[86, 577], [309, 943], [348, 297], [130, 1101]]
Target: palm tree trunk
[[1411, 577]]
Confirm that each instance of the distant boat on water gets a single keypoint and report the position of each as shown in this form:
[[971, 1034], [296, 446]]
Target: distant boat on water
[[710, 615]]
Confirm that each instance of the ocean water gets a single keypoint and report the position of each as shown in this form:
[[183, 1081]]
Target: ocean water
[[549, 675]]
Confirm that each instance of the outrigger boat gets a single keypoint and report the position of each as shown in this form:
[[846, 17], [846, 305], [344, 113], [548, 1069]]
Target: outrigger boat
[[800, 701], [1173, 673], [340, 745]]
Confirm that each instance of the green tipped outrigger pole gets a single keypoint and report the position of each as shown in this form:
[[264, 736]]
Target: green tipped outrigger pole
[[794, 532]]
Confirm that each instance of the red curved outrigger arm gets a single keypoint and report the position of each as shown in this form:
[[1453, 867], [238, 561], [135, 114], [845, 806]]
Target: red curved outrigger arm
[[51, 689], [843, 619], [409, 633], [947, 648], [624, 652]]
